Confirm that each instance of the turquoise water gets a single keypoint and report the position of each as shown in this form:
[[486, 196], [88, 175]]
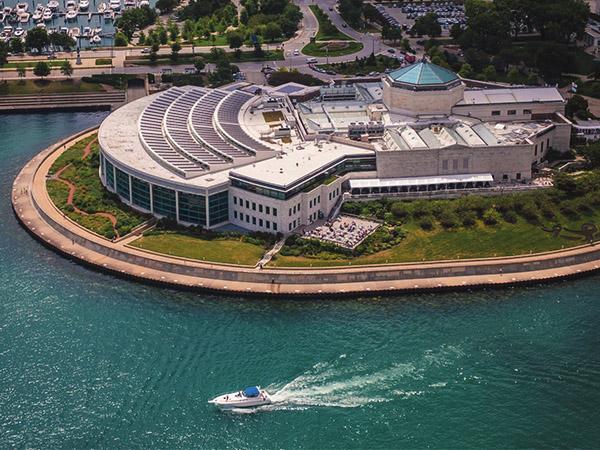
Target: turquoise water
[[87, 360]]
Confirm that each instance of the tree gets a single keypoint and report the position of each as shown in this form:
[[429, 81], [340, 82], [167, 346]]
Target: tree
[[175, 49], [173, 30], [577, 106], [189, 29], [235, 39], [37, 39], [199, 64], [22, 71], [41, 69], [154, 51], [121, 40], [16, 45], [513, 76], [4, 49], [272, 32], [66, 68], [389, 33], [489, 73], [427, 25], [166, 6], [351, 12], [142, 38], [244, 18], [466, 71], [488, 27], [61, 40], [592, 154], [134, 19]]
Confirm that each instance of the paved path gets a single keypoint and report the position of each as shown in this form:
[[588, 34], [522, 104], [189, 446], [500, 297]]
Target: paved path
[[38, 214]]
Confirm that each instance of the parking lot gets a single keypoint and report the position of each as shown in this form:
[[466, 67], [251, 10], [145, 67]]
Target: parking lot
[[404, 15]]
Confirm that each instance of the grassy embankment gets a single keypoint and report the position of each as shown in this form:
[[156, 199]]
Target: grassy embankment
[[459, 229], [90, 196], [225, 249], [329, 40], [26, 87], [244, 56]]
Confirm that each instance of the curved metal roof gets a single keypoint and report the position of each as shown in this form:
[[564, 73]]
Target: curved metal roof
[[423, 73]]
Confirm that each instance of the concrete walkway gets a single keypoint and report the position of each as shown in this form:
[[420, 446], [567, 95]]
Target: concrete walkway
[[38, 214]]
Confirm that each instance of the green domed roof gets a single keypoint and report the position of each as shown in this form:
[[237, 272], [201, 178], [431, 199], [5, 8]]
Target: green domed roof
[[423, 73]]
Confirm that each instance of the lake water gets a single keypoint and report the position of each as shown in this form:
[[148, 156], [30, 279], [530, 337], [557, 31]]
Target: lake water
[[88, 360]]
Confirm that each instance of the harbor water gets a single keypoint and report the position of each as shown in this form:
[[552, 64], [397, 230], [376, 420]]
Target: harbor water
[[89, 360]]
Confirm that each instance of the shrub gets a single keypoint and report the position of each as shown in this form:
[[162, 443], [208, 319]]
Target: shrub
[[426, 223], [448, 219], [399, 210], [420, 208], [469, 218], [529, 212], [510, 216], [491, 217]]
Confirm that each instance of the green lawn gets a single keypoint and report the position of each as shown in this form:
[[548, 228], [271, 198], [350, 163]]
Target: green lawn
[[319, 49], [25, 87], [54, 63], [478, 241], [90, 196], [227, 250], [103, 62], [220, 39], [327, 31]]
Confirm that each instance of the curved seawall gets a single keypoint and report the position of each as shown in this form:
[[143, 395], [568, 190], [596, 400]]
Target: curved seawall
[[37, 213]]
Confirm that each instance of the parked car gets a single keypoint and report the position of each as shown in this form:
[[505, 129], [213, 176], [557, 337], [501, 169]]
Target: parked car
[[145, 50]]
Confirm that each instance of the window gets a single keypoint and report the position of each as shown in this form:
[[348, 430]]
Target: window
[[504, 177], [235, 214], [290, 227], [218, 208], [110, 175], [495, 113], [445, 164], [253, 206], [164, 201], [192, 208], [274, 211], [267, 209], [290, 214], [455, 164], [260, 208], [465, 163], [247, 204], [122, 184], [512, 112], [535, 151], [247, 218], [268, 224], [253, 220], [234, 200], [318, 199], [260, 222], [527, 111], [542, 147], [140, 191], [274, 226], [518, 175]]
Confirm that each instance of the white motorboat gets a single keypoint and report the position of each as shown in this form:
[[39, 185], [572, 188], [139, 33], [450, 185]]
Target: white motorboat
[[109, 15], [87, 31], [143, 3], [47, 16], [24, 17], [21, 8], [19, 32], [248, 398], [129, 3], [64, 30], [7, 31], [41, 25], [71, 15], [71, 5], [102, 7], [74, 32], [53, 5], [115, 5], [95, 39], [84, 5]]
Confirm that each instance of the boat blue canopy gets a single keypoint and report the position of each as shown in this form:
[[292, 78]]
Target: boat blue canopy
[[252, 391]]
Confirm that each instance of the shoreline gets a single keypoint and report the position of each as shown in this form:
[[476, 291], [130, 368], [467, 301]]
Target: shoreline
[[42, 219]]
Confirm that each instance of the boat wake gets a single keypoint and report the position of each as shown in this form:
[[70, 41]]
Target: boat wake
[[343, 383]]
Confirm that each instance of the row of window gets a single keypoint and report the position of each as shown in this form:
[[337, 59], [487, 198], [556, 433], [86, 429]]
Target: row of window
[[455, 163], [333, 194], [294, 209], [164, 201], [254, 221], [314, 202], [293, 224], [535, 151], [512, 112], [254, 206]]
